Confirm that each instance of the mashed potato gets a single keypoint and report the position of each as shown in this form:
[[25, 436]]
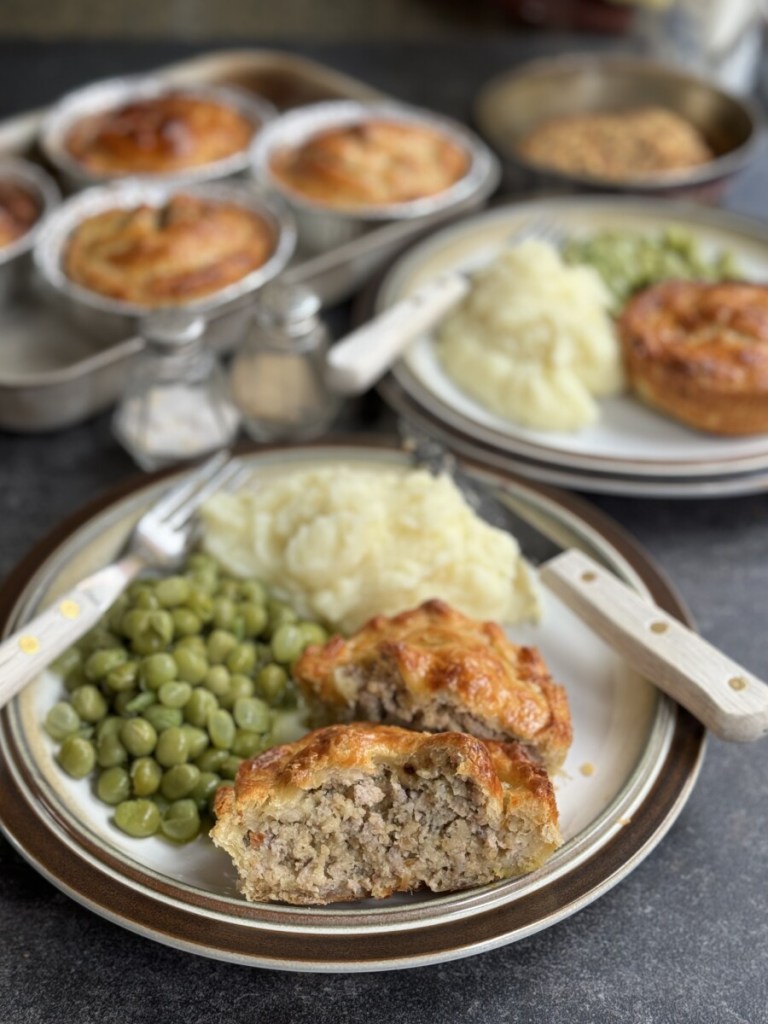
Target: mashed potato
[[344, 543], [534, 341]]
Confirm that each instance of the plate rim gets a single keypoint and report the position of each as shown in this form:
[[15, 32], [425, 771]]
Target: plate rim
[[42, 840], [688, 212]]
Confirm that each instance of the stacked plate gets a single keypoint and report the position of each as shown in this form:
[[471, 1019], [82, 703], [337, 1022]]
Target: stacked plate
[[632, 449]]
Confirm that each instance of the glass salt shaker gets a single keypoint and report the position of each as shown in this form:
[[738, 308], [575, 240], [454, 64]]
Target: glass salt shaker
[[278, 375], [176, 405]]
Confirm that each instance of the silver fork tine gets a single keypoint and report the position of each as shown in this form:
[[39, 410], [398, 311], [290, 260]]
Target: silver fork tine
[[223, 478], [177, 495]]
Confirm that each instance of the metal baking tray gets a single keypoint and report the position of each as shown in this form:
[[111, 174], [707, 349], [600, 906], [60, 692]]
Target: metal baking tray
[[52, 376]]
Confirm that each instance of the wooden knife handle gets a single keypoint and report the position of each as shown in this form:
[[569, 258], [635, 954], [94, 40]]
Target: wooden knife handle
[[728, 699]]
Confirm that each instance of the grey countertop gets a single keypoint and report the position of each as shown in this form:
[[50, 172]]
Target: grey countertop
[[684, 938]]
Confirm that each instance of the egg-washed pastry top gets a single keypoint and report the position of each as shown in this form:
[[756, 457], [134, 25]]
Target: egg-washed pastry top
[[374, 163], [19, 210], [167, 255], [434, 668], [160, 135], [617, 146]]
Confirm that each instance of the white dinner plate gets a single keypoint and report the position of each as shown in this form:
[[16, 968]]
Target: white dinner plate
[[633, 763], [629, 439]]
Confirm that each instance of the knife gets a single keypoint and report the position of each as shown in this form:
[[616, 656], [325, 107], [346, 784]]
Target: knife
[[729, 700]]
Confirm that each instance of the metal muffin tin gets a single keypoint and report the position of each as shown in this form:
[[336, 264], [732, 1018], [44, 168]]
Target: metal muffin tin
[[111, 94], [321, 225], [111, 319], [15, 258], [54, 375]]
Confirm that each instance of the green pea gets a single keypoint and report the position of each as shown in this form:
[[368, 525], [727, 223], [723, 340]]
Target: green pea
[[122, 678], [138, 736], [62, 720], [161, 624], [175, 694], [200, 560], [206, 580], [140, 702], [110, 751], [242, 659], [100, 638], [185, 623], [179, 781], [247, 743], [221, 729], [312, 633], [200, 704], [134, 623], [109, 726], [230, 765], [172, 746], [204, 789], [220, 645], [218, 681], [77, 756], [197, 740], [74, 678], [223, 612], [287, 643], [116, 613], [181, 822], [121, 701], [148, 643], [192, 643], [101, 662], [89, 703], [161, 717], [254, 618], [157, 669], [138, 818], [173, 591], [279, 614], [66, 662], [146, 775], [192, 667], [253, 591], [201, 603], [211, 760], [271, 682], [113, 785], [240, 686], [252, 714], [147, 601]]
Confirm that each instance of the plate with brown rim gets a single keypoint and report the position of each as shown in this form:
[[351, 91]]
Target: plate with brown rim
[[632, 766]]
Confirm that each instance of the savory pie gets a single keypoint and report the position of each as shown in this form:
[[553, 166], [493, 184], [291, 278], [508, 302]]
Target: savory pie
[[617, 146], [166, 255], [359, 810], [433, 668], [19, 211], [699, 352], [164, 134], [377, 162]]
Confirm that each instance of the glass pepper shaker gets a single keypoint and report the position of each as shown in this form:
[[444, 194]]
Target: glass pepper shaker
[[176, 404], [278, 374]]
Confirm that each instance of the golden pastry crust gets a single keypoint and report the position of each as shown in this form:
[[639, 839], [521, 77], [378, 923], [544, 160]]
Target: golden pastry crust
[[616, 147], [19, 211], [358, 810], [376, 163], [434, 668], [169, 255], [699, 352], [161, 135]]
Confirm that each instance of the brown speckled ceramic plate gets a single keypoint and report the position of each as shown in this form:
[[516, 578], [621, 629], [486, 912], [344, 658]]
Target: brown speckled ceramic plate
[[633, 764]]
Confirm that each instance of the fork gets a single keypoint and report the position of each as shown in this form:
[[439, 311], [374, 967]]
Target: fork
[[160, 538], [355, 363]]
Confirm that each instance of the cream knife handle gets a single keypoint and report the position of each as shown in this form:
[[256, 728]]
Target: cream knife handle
[[355, 364], [730, 701], [25, 654]]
